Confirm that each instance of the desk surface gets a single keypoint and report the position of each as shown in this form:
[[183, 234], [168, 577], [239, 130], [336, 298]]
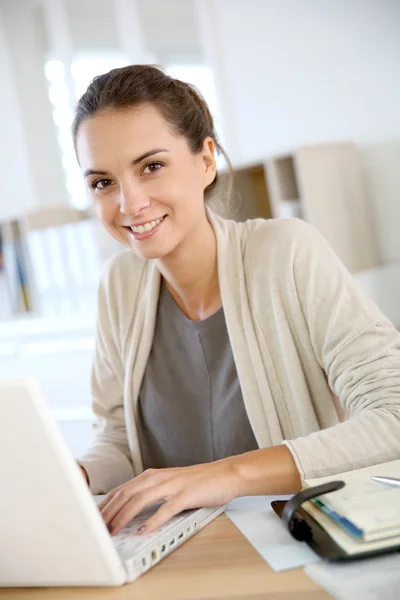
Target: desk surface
[[218, 563]]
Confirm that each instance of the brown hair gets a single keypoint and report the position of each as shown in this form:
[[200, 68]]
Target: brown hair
[[181, 105]]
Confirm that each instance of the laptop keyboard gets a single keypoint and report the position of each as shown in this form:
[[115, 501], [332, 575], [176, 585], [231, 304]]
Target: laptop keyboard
[[128, 542]]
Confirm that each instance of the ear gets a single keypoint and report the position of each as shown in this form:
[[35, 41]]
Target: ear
[[210, 166]]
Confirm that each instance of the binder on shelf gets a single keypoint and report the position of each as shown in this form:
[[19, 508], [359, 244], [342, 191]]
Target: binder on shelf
[[5, 292], [23, 298], [347, 516], [16, 285]]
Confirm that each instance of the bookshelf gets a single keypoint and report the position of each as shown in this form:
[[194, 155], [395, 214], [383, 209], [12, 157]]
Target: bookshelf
[[250, 196], [48, 263], [322, 184], [283, 187]]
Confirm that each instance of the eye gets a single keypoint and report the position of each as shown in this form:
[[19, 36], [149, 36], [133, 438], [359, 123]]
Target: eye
[[100, 184], [152, 167]]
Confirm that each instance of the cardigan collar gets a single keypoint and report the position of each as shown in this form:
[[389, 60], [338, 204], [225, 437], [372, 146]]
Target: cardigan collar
[[242, 331]]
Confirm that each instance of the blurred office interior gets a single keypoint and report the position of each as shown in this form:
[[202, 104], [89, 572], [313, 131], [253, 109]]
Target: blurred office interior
[[306, 97]]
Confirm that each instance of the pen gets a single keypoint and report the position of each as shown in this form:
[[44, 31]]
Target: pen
[[387, 480]]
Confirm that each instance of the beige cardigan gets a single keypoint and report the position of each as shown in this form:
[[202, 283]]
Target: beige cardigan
[[301, 334]]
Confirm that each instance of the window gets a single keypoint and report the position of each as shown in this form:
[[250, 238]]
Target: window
[[83, 69]]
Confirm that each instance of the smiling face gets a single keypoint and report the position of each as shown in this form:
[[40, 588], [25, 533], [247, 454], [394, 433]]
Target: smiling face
[[147, 185]]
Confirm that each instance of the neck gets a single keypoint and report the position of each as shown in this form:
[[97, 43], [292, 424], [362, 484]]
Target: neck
[[191, 273]]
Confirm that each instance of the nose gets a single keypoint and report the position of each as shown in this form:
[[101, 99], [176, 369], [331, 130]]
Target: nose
[[132, 199]]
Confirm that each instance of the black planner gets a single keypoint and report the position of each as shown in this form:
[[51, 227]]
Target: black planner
[[306, 529]]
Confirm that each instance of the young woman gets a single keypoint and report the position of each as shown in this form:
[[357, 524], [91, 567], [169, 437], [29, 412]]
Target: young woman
[[231, 358]]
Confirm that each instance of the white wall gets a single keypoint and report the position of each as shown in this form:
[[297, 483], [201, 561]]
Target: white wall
[[381, 164], [92, 25], [311, 70], [308, 71], [17, 183], [24, 42]]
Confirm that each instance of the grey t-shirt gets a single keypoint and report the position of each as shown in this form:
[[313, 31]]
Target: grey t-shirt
[[191, 407]]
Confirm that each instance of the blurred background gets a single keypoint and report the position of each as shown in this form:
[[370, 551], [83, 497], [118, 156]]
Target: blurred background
[[306, 98]]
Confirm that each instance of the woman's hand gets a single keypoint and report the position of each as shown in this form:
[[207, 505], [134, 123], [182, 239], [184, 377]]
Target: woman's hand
[[210, 484], [260, 472]]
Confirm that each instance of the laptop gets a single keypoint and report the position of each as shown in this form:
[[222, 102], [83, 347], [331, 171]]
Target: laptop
[[51, 532]]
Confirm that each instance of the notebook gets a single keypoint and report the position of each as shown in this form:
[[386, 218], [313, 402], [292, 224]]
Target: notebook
[[364, 515], [52, 533]]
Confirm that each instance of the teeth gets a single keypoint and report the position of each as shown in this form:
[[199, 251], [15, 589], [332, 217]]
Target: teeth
[[146, 226]]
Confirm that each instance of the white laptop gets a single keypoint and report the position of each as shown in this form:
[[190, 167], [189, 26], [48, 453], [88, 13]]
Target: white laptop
[[51, 532]]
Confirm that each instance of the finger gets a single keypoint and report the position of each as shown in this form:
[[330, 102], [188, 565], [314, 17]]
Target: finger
[[137, 503], [125, 493], [168, 510], [107, 499], [133, 484]]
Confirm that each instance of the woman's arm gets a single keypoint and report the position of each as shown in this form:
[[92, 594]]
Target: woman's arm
[[107, 462], [267, 471], [364, 373], [359, 351]]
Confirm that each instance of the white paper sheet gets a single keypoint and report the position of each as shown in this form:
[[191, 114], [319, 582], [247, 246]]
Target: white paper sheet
[[371, 579], [254, 517]]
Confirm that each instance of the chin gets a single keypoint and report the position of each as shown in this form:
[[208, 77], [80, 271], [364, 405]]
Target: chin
[[150, 253]]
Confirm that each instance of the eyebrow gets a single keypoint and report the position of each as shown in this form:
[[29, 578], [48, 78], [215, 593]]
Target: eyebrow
[[136, 161]]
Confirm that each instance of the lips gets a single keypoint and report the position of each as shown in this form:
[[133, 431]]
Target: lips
[[146, 226], [142, 232]]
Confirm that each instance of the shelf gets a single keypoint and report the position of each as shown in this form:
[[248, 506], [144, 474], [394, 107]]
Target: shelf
[[286, 180], [250, 197]]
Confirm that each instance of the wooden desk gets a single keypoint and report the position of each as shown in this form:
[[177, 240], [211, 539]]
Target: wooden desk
[[218, 563]]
